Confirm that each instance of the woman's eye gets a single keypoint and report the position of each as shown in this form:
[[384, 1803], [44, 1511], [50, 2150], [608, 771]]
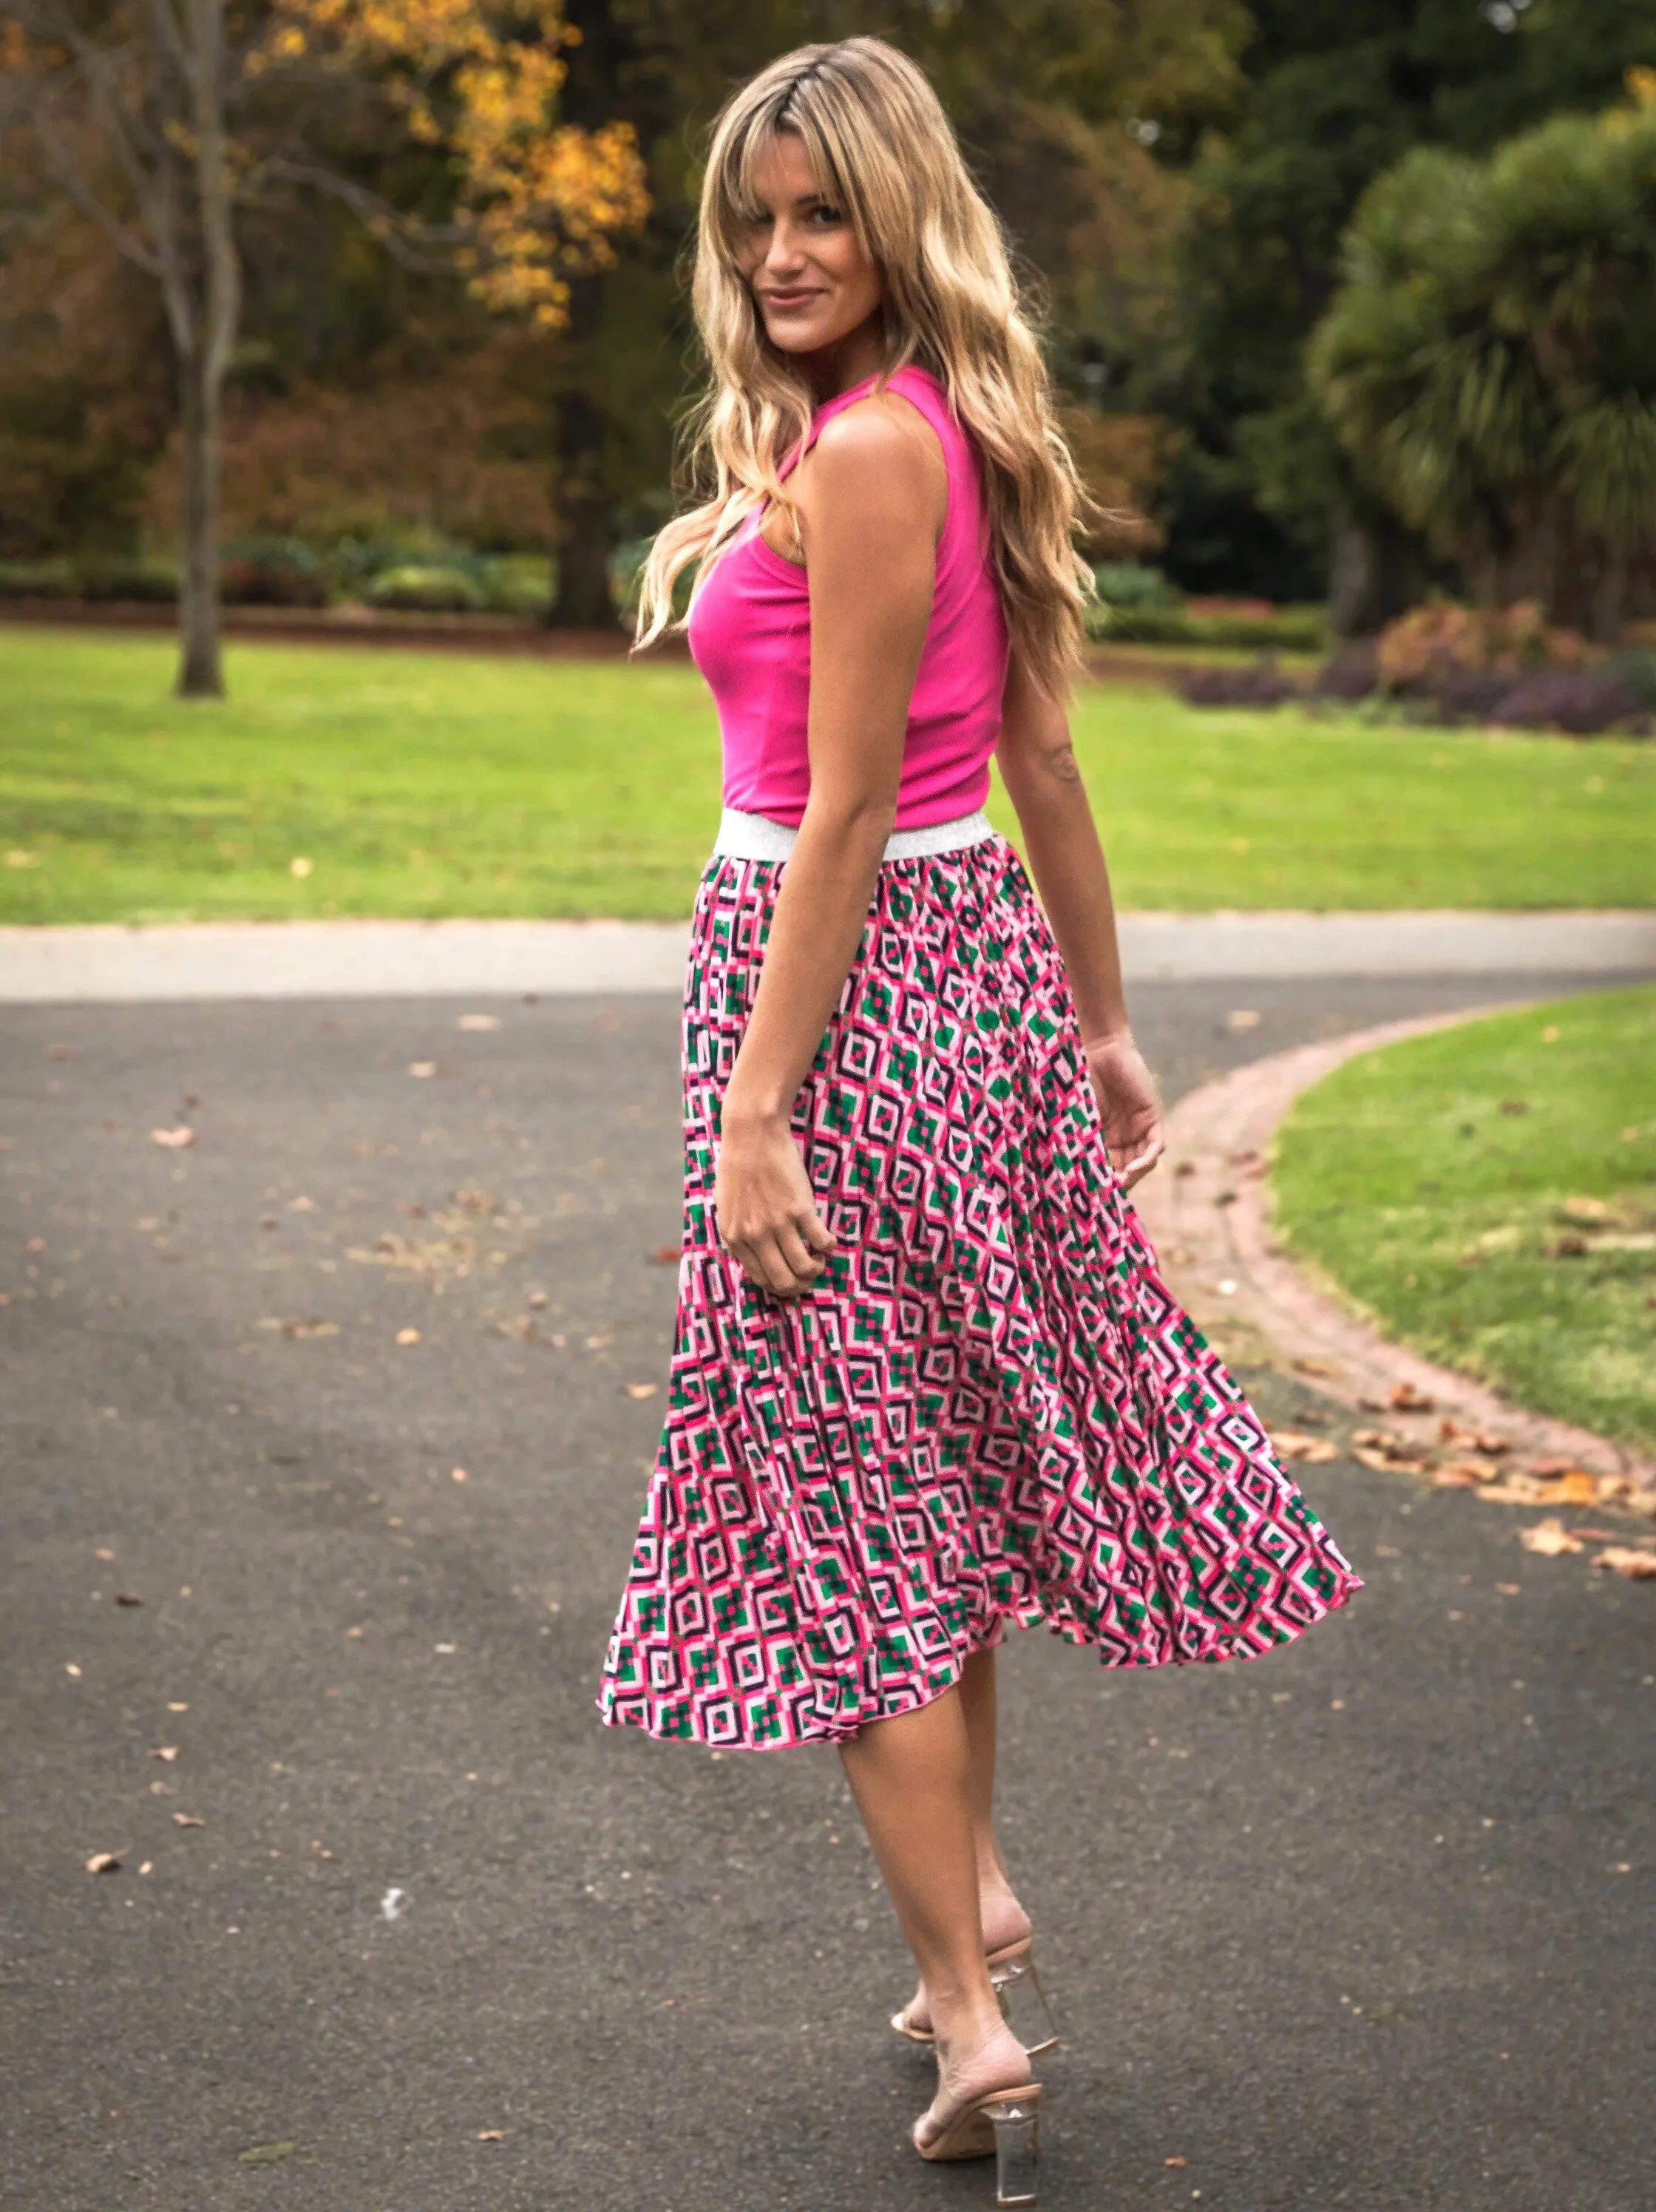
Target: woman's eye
[[827, 215]]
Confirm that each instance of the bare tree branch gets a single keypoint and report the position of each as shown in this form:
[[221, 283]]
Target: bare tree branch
[[402, 239]]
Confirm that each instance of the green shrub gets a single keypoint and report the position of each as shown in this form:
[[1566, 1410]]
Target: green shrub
[[37, 579], [1290, 630], [1127, 585], [426, 590], [272, 572]]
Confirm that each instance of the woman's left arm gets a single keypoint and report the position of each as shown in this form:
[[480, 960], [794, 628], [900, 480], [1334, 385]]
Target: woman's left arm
[[871, 499]]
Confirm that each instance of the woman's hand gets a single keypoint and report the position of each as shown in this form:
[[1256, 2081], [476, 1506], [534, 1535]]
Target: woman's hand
[[762, 1203], [1128, 1106]]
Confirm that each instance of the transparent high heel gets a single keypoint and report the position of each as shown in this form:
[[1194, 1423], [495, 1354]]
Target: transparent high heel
[[1022, 2002], [1005, 2125]]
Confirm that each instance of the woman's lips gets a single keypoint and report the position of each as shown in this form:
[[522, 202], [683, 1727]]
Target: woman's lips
[[785, 302]]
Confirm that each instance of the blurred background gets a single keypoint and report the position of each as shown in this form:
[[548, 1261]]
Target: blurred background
[[1351, 305]]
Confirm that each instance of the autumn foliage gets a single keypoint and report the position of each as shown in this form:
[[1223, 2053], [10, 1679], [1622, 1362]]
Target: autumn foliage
[[540, 200]]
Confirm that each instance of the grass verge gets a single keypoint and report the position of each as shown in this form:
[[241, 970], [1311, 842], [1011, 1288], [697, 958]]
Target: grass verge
[[1488, 1195], [437, 784]]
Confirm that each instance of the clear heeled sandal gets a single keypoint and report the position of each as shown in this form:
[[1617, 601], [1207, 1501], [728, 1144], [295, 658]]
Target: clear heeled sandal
[[1005, 2125], [1022, 2002]]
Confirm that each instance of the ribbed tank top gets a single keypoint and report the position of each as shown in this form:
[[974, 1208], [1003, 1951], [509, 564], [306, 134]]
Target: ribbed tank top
[[749, 632]]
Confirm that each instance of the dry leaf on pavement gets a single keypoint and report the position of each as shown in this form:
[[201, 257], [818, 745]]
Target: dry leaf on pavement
[[1405, 1398], [640, 1389], [1295, 1443], [166, 1751], [1550, 1538], [174, 1139], [1622, 1559], [127, 1597], [104, 1862], [188, 1820]]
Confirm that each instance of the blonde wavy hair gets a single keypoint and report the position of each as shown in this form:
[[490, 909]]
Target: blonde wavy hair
[[881, 147]]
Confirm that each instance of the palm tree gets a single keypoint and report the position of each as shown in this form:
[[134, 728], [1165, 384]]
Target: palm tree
[[1489, 361]]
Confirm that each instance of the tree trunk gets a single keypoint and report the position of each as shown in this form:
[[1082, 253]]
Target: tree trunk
[[1377, 573], [582, 530], [201, 672]]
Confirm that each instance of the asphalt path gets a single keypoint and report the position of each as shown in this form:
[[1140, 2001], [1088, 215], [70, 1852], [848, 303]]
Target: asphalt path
[[1344, 1926]]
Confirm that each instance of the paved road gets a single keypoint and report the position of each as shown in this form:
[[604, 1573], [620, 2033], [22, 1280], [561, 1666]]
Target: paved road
[[1338, 1929]]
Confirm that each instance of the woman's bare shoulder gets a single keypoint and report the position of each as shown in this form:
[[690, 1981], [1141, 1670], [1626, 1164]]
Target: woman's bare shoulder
[[879, 451]]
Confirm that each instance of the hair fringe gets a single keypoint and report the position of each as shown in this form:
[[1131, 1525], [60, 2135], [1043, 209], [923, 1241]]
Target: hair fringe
[[875, 133]]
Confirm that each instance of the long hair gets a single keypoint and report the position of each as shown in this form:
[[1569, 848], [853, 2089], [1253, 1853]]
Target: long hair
[[881, 147]]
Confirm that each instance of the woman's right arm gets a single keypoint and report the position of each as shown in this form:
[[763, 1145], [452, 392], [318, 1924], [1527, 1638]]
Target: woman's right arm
[[1043, 781]]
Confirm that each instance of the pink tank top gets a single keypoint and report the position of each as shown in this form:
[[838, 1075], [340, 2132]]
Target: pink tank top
[[749, 634]]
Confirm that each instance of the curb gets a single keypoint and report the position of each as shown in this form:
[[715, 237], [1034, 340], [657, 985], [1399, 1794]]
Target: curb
[[1206, 1211], [115, 962]]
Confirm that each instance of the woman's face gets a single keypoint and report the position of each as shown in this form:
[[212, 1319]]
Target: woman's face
[[800, 254]]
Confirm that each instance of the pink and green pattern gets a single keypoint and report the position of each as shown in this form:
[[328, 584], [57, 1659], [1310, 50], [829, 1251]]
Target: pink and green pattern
[[989, 1411]]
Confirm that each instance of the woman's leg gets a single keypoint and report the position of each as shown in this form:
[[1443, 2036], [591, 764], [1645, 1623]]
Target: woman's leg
[[911, 1778], [1003, 1919]]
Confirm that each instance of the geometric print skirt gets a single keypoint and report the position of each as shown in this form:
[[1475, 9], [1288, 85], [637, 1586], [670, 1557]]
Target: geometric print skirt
[[988, 1411]]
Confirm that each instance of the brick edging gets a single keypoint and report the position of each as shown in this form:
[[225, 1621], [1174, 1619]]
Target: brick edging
[[1207, 1211]]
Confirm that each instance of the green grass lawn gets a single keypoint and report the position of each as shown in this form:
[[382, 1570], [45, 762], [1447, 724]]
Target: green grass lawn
[[442, 784], [1489, 1195]]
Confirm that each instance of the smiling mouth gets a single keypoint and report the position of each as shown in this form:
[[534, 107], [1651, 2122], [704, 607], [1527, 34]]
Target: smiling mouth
[[786, 299]]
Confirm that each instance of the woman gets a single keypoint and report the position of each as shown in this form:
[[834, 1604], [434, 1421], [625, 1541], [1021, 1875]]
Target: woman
[[927, 1380]]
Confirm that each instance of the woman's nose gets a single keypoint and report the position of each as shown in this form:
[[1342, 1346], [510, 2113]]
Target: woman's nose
[[784, 250]]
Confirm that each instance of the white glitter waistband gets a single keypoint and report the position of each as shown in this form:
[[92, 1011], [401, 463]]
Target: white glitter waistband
[[757, 837]]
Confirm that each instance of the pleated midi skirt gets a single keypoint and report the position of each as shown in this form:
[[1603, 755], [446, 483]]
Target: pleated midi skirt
[[988, 1411]]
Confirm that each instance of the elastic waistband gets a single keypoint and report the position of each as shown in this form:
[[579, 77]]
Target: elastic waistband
[[757, 837]]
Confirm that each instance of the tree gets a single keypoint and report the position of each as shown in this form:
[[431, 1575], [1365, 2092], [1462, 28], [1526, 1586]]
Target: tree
[[162, 121], [1489, 363], [1040, 91], [1334, 93]]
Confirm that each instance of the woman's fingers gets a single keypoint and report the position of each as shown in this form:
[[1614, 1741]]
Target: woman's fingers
[[1136, 1170]]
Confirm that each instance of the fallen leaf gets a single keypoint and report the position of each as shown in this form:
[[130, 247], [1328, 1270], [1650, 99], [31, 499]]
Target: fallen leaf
[[1295, 1443], [599, 1343], [640, 1389], [1622, 1559], [1550, 1538], [128, 1597], [1315, 1366], [166, 1751], [103, 1552], [423, 1068], [1518, 1490], [490, 2135], [447, 1651], [296, 1327], [478, 1022], [1509, 1589], [1238, 1019], [266, 2154], [1512, 1106], [174, 1139], [1405, 1398], [1587, 1209], [665, 1255], [1176, 2161], [1578, 1487], [104, 1862], [1480, 1440], [407, 1336], [188, 1820], [173, 1706], [148, 1867], [1456, 1475], [1466, 1471], [458, 1474], [1595, 1535], [71, 1668]]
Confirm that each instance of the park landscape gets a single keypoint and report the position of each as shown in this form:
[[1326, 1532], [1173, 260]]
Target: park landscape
[[337, 1326]]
